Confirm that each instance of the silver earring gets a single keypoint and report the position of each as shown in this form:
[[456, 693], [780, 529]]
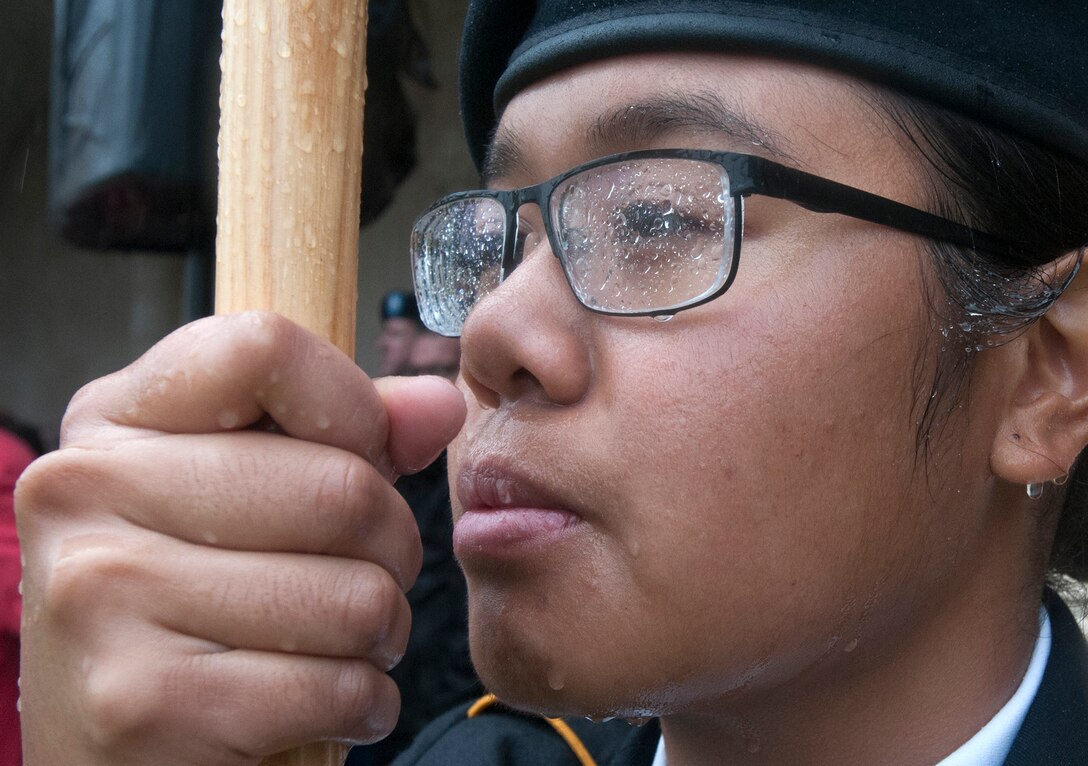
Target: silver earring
[[1035, 490]]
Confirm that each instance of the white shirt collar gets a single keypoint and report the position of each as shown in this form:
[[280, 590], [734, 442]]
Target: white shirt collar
[[991, 744]]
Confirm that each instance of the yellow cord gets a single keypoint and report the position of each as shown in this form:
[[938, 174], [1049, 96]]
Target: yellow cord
[[572, 741], [564, 731], [482, 704]]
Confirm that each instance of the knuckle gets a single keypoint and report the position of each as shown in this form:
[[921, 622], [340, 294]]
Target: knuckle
[[86, 570], [56, 481], [82, 408], [346, 490], [262, 333], [379, 603], [367, 702], [120, 703]]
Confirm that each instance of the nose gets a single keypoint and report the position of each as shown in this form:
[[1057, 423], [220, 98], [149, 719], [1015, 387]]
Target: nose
[[529, 339]]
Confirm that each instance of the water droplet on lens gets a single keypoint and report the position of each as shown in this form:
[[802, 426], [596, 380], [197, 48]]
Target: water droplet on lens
[[637, 721]]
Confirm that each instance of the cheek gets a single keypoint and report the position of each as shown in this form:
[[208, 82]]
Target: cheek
[[768, 459]]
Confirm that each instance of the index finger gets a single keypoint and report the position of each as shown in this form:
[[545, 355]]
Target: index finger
[[228, 373]]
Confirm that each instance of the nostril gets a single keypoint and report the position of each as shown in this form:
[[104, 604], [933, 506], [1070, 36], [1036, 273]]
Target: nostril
[[487, 398]]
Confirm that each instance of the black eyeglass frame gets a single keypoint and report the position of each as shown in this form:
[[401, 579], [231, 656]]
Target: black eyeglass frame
[[748, 175]]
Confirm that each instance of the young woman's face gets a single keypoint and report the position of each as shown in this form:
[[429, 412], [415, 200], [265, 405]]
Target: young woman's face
[[656, 517]]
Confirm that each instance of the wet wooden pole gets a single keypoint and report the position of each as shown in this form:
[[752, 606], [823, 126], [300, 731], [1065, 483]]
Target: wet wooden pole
[[290, 164]]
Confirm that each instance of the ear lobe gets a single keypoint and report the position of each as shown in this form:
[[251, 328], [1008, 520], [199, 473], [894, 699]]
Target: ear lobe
[[1044, 426]]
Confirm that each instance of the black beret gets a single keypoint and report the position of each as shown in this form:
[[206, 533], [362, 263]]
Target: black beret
[[1016, 65]]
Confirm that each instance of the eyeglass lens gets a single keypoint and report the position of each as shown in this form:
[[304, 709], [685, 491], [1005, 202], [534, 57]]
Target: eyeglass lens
[[634, 237], [457, 259]]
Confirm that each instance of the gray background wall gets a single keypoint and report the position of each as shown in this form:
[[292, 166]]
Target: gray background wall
[[68, 316]]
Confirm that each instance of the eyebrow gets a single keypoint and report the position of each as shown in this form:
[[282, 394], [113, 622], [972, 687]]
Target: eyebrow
[[639, 124]]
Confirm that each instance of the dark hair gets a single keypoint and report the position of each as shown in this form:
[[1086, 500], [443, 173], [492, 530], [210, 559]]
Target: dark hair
[[1020, 191]]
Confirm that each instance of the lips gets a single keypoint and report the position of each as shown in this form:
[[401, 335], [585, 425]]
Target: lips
[[507, 514]]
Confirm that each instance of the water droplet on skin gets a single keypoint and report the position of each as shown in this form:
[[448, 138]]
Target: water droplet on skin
[[637, 721], [229, 419], [274, 377], [20, 586], [851, 645], [281, 409], [19, 705], [323, 422], [210, 537], [664, 317], [555, 679]]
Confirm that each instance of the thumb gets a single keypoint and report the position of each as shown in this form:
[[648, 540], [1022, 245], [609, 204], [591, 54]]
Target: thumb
[[425, 414]]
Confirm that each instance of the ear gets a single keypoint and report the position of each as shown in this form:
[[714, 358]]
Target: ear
[[1044, 425]]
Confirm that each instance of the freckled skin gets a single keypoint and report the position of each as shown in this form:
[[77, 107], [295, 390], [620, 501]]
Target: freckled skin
[[763, 557]]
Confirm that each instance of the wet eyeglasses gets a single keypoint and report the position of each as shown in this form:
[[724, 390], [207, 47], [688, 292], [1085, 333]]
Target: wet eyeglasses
[[646, 233]]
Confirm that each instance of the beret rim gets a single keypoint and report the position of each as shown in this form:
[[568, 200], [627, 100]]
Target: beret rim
[[999, 97]]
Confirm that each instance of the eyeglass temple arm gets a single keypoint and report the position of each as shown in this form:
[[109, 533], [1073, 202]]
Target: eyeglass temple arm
[[824, 196]]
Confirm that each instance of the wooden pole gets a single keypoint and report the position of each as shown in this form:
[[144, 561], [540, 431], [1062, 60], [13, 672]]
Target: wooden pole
[[290, 161], [290, 164]]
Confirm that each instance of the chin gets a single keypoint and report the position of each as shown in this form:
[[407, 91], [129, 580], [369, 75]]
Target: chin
[[518, 685], [534, 665]]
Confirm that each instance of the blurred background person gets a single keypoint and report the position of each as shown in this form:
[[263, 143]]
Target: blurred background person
[[434, 354], [400, 327]]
